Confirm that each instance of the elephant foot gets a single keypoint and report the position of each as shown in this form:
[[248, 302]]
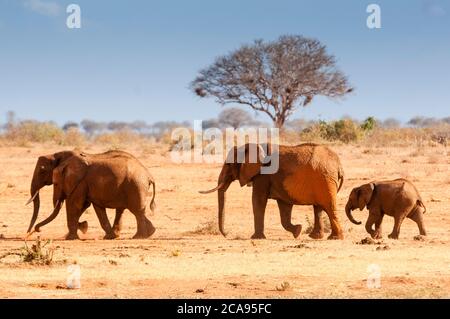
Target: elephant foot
[[377, 235], [297, 231], [258, 236], [336, 236], [316, 234], [143, 235], [71, 236], [110, 236], [393, 236], [116, 231], [83, 227]]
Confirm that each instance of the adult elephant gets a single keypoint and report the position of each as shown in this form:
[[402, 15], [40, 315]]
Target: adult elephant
[[113, 179], [308, 174]]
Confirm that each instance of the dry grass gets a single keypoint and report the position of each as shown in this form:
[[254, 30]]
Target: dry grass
[[40, 253]]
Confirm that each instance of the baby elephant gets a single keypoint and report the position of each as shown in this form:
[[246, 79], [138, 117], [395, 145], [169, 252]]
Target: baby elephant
[[398, 198]]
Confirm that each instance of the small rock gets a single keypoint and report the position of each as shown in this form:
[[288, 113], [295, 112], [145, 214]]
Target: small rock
[[367, 241], [113, 262], [419, 238], [199, 291], [302, 245], [385, 247]]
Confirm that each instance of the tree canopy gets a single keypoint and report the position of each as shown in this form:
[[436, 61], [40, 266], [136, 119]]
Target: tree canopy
[[273, 77]]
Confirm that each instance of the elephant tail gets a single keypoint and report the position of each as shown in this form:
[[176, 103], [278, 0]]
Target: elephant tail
[[420, 203], [152, 203], [340, 178]]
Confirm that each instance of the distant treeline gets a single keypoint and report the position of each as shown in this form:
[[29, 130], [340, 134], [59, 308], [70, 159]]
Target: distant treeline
[[344, 130], [230, 117]]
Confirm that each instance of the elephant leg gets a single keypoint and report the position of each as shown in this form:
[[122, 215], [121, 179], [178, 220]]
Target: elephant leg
[[83, 226], [417, 216], [286, 214], [336, 230], [145, 227], [104, 222], [317, 232], [373, 218], [398, 220], [117, 226], [378, 234], [259, 201], [73, 216]]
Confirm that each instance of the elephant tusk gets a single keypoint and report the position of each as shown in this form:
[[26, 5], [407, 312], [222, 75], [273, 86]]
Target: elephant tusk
[[29, 234], [262, 154], [32, 198], [214, 189]]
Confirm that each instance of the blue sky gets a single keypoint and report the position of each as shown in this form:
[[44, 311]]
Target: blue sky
[[133, 60]]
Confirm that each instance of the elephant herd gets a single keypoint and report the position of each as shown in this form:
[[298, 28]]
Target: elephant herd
[[308, 174]]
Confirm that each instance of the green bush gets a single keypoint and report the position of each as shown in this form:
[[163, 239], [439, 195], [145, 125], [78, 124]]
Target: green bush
[[369, 124], [345, 130]]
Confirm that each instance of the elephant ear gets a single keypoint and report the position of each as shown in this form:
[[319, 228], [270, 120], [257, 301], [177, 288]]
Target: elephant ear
[[60, 157], [57, 179], [67, 176], [252, 164], [365, 194]]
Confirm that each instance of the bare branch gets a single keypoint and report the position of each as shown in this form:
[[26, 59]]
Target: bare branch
[[273, 77]]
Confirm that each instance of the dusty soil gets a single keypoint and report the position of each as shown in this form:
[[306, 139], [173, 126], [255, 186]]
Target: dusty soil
[[187, 258]]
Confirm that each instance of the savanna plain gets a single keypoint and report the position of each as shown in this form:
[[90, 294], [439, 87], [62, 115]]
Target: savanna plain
[[188, 258]]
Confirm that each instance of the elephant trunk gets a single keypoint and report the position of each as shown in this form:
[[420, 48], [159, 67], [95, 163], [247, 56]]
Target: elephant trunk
[[50, 218], [348, 211], [224, 183], [36, 203], [221, 201]]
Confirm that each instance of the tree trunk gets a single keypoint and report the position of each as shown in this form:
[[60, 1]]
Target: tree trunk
[[279, 121]]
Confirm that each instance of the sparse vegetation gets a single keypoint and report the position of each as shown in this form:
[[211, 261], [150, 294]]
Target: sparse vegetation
[[284, 286], [176, 253], [370, 132], [40, 253], [310, 224]]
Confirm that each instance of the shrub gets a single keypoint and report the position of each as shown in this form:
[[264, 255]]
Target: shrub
[[345, 130], [117, 139], [74, 137], [34, 131], [369, 124], [38, 254]]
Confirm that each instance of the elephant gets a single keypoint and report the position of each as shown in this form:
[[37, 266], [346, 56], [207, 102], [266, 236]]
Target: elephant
[[398, 198], [114, 179], [308, 174]]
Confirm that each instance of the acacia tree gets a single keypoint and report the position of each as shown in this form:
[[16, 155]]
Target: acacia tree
[[273, 77]]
